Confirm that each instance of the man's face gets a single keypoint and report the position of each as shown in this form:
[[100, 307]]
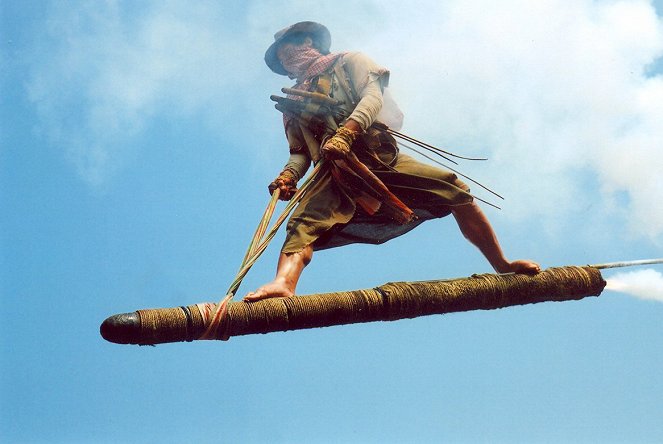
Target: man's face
[[285, 48]]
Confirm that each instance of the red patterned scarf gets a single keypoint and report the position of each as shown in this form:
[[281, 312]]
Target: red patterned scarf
[[304, 63]]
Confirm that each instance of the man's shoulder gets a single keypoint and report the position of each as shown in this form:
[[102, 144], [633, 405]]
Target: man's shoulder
[[358, 64], [356, 57]]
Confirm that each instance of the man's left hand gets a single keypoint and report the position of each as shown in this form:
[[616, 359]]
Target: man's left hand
[[286, 183]]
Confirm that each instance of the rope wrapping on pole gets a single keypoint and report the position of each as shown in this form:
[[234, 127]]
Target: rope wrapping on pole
[[389, 302]]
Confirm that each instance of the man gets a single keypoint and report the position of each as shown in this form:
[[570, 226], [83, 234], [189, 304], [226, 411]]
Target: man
[[345, 205]]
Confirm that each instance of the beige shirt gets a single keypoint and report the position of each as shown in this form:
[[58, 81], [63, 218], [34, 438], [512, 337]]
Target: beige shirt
[[368, 81]]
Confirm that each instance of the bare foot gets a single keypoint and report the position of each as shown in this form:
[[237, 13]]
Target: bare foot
[[521, 266], [274, 289]]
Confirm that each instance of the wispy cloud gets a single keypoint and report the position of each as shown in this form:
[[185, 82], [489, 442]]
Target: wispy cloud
[[104, 69]]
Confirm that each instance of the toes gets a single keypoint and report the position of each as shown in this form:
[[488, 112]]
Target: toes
[[527, 267], [252, 297]]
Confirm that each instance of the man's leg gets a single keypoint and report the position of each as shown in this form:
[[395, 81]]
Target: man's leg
[[475, 227], [288, 271]]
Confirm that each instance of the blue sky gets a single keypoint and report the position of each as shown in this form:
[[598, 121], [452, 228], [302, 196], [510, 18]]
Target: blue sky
[[137, 140]]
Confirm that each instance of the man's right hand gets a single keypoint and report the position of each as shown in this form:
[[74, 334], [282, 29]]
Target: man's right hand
[[339, 145], [286, 184]]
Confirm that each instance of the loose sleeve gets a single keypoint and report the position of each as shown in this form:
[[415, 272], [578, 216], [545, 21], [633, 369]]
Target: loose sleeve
[[298, 164], [369, 80]]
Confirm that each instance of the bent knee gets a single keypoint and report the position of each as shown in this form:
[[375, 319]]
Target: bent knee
[[465, 208]]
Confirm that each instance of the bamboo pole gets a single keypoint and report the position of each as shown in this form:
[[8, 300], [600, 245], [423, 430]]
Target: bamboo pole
[[388, 302], [628, 263]]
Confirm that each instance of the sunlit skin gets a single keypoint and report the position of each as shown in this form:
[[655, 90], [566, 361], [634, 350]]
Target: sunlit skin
[[471, 220]]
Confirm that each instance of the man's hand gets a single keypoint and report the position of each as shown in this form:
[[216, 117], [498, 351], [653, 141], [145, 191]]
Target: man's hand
[[339, 145], [286, 183]]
